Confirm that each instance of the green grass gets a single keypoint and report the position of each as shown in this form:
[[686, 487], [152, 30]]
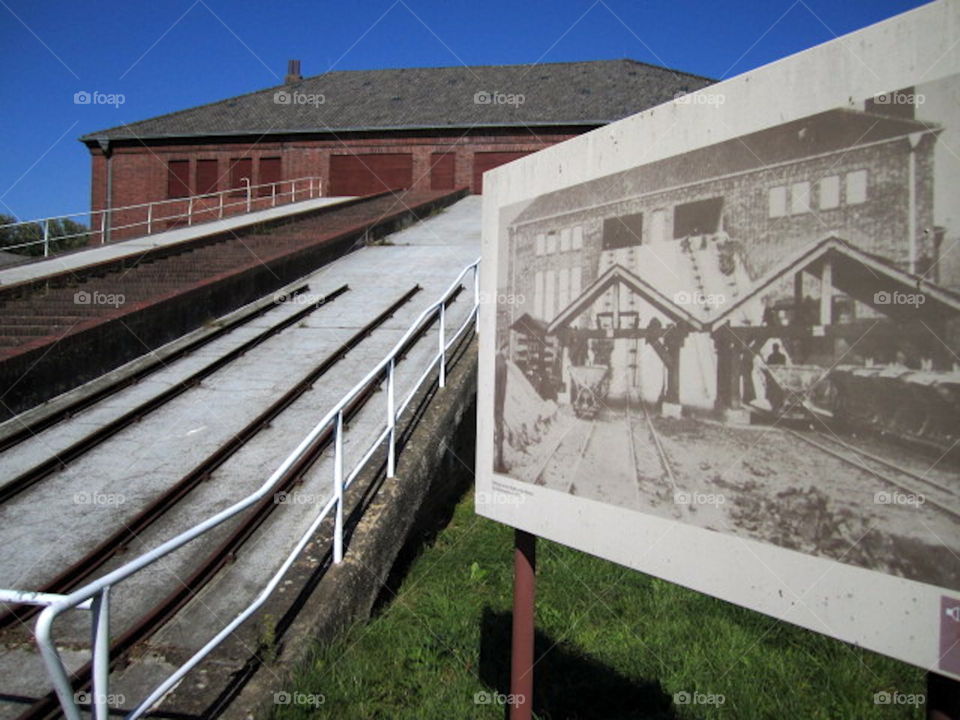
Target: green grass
[[614, 644]]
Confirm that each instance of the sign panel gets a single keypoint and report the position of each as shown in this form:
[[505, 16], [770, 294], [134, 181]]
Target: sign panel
[[723, 339]]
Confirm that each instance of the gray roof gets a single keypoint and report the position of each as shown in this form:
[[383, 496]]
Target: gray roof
[[556, 94]]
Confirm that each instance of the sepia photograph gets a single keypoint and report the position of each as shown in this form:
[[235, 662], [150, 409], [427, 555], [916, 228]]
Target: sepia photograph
[[756, 337]]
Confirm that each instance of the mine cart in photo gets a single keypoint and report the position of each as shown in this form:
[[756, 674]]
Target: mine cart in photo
[[589, 385], [921, 407]]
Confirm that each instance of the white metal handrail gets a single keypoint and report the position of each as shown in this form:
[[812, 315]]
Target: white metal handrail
[[195, 206], [95, 596]]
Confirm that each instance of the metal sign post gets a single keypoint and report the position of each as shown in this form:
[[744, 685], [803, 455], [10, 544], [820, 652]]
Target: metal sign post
[[943, 697], [524, 601]]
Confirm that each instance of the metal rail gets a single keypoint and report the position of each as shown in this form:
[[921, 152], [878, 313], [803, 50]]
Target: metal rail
[[860, 465], [886, 463], [203, 205], [70, 578], [661, 451], [61, 459], [97, 593], [30, 428]]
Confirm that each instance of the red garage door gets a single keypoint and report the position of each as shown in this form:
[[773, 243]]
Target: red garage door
[[443, 171], [366, 174], [483, 161]]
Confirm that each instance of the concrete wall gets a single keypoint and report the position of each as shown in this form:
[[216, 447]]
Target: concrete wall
[[434, 469]]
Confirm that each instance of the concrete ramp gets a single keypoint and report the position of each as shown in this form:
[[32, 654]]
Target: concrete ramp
[[68, 320]]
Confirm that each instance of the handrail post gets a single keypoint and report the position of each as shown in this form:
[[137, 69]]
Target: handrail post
[[476, 297], [101, 655], [103, 226], [338, 489], [249, 193], [149, 218], [46, 237], [273, 194], [190, 211], [293, 191], [221, 203], [391, 420], [443, 344]]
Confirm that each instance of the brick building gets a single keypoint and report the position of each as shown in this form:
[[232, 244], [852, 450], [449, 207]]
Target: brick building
[[365, 131], [751, 201]]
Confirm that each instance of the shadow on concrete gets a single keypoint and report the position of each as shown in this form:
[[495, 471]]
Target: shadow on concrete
[[568, 685]]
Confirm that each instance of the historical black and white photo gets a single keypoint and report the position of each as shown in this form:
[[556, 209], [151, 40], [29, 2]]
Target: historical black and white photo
[[758, 337]]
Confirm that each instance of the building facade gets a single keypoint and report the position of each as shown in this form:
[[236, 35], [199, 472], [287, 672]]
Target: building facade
[[362, 132], [751, 201]]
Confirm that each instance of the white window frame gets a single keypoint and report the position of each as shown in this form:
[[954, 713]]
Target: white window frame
[[563, 288], [538, 295], [777, 201], [856, 190], [829, 195], [800, 197], [549, 295]]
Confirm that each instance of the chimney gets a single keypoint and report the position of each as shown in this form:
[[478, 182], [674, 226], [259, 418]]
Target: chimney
[[293, 72]]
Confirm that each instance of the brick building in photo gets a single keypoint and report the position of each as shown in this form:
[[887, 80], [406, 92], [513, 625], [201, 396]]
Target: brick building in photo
[[601, 273], [747, 203], [366, 131]]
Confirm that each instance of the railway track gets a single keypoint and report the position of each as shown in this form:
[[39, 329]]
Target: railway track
[[73, 576], [61, 459], [657, 443], [34, 427], [888, 472], [255, 661], [255, 517]]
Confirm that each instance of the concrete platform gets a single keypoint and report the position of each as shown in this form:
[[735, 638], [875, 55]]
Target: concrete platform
[[130, 248]]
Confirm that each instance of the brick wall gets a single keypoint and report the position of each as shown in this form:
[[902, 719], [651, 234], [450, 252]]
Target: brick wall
[[140, 174]]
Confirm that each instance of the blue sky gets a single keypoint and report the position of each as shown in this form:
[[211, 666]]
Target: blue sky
[[168, 55]]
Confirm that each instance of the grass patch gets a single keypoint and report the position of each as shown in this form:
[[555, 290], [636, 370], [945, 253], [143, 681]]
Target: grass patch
[[614, 644]]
